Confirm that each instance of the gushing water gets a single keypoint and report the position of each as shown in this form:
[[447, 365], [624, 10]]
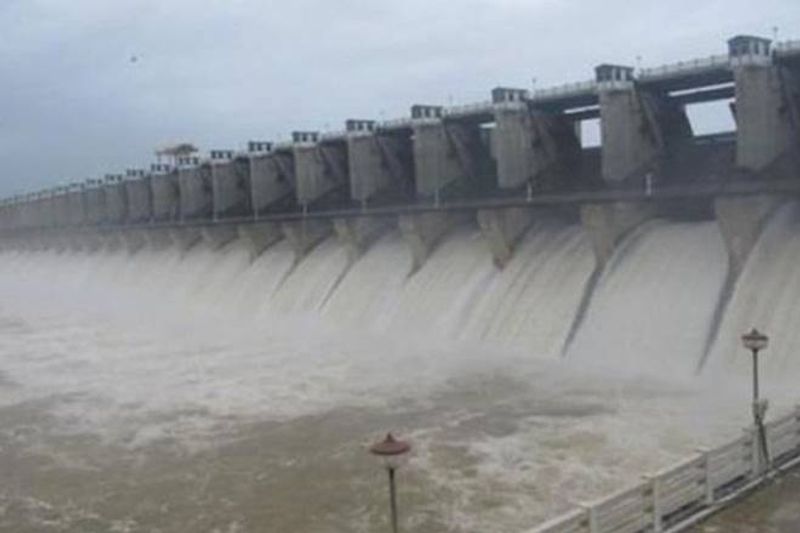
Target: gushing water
[[205, 391]]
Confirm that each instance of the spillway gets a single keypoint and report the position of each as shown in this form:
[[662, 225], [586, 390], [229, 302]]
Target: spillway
[[654, 305], [240, 393], [766, 297]]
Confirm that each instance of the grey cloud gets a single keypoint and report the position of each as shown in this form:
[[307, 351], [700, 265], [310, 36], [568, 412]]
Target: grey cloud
[[220, 72]]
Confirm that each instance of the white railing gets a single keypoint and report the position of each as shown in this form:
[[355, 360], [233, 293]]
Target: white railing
[[671, 498], [568, 89], [469, 109], [788, 47], [685, 67], [395, 123]]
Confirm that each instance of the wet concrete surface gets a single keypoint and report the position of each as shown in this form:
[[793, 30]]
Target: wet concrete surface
[[775, 508]]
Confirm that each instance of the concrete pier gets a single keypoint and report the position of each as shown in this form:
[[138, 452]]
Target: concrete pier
[[134, 239], [95, 202], [637, 126], [444, 152], [230, 180], [304, 235], [766, 128], [219, 236], [608, 224], [272, 177], [423, 233], [59, 204], [116, 199], [741, 220], [165, 193], [259, 236], [320, 165], [76, 204], [138, 195], [373, 162], [502, 229], [185, 237], [194, 182], [159, 238], [358, 233]]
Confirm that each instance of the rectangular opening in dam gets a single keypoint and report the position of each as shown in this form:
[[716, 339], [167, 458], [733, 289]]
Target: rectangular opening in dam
[[710, 118]]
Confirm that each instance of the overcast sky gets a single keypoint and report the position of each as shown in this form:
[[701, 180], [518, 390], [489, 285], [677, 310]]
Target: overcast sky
[[93, 86]]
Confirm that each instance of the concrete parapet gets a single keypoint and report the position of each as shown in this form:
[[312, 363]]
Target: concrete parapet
[[165, 196], [259, 236], [423, 232], [607, 224], [765, 126], [357, 234], [186, 237], [304, 235], [272, 179], [502, 229], [741, 220], [196, 195], [219, 236]]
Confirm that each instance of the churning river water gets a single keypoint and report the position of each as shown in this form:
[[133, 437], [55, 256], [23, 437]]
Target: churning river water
[[209, 392]]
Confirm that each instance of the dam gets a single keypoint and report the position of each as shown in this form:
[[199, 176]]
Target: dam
[[209, 343]]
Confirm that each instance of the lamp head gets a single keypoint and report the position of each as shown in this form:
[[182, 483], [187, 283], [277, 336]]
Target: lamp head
[[391, 451], [755, 340]]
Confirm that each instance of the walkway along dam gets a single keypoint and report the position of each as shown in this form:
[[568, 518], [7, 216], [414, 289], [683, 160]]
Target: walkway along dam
[[485, 255]]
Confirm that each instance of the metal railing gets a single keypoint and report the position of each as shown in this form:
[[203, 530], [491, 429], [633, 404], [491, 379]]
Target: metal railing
[[685, 67], [676, 497], [469, 109], [788, 47], [568, 89]]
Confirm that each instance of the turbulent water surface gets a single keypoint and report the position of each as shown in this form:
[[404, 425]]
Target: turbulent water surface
[[206, 391]]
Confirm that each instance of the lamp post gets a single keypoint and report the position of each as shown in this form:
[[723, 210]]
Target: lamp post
[[756, 341], [392, 453]]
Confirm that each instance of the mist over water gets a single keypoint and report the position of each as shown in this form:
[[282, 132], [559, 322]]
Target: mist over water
[[205, 391]]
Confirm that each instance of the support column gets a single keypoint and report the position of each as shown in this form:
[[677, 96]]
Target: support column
[[304, 235], [194, 182], [423, 232], [637, 126], [765, 126], [741, 221], [373, 161], [608, 224], [502, 229], [436, 160]]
